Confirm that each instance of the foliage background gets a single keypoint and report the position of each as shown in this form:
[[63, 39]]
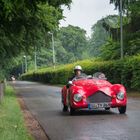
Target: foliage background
[[124, 71], [24, 28]]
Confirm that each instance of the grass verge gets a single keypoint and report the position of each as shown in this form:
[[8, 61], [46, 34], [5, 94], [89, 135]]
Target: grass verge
[[11, 119]]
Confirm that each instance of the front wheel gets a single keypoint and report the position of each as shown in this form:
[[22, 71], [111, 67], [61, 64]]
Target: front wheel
[[107, 108], [65, 108], [71, 110], [122, 109]]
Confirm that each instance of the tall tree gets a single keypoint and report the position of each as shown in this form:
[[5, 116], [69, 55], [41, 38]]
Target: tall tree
[[125, 4], [131, 28], [24, 23], [22, 20], [74, 41], [101, 33]]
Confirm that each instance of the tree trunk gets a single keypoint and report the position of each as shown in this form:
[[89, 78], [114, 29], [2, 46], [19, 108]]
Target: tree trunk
[[1, 91]]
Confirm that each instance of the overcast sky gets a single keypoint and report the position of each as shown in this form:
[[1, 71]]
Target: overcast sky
[[85, 13]]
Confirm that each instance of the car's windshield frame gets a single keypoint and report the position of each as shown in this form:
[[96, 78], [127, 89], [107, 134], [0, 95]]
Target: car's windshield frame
[[97, 75]]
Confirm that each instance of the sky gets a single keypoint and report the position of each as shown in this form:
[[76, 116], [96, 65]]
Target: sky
[[85, 13]]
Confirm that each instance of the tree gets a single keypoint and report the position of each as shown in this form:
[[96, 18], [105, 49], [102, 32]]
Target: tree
[[24, 23], [125, 4], [110, 50], [101, 33], [22, 20], [70, 45], [131, 27], [73, 40]]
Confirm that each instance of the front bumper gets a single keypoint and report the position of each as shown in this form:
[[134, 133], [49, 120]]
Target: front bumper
[[113, 103]]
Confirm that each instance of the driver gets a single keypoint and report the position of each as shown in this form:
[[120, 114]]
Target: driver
[[78, 73]]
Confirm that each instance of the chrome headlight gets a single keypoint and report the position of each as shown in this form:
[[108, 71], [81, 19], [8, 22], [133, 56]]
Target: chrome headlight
[[77, 97], [120, 95]]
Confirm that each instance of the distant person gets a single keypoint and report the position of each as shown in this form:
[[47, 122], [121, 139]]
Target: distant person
[[13, 78]]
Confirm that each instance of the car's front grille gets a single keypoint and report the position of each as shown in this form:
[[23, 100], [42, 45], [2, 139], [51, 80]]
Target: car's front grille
[[99, 97]]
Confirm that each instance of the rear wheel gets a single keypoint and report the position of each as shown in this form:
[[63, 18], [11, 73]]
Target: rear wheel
[[122, 109]]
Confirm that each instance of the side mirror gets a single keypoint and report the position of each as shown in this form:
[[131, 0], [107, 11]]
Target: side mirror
[[70, 83]]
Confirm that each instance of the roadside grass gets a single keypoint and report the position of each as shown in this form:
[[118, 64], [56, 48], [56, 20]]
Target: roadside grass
[[11, 119]]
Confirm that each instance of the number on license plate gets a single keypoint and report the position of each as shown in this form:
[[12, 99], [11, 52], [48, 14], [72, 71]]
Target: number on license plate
[[98, 105]]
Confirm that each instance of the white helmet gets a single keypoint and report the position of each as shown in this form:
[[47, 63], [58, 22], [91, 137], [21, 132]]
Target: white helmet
[[78, 67]]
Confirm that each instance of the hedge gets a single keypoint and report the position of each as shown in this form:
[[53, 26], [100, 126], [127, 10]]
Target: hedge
[[126, 71]]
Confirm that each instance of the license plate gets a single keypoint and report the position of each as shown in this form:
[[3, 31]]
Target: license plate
[[98, 105]]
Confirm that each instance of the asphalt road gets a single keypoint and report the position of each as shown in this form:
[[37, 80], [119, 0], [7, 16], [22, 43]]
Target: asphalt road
[[44, 102]]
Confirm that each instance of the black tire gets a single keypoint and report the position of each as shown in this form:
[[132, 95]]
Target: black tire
[[107, 108], [122, 109], [65, 108], [71, 110]]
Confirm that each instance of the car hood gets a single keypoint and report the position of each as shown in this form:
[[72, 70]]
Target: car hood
[[91, 86], [92, 82]]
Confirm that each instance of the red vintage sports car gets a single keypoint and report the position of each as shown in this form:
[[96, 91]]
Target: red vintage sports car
[[92, 93]]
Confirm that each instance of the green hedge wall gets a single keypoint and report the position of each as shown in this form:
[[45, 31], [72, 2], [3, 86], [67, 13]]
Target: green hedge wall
[[126, 71]]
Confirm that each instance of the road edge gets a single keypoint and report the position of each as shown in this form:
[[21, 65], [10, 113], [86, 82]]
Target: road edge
[[33, 125]]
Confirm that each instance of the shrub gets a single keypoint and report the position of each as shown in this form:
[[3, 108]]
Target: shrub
[[126, 71]]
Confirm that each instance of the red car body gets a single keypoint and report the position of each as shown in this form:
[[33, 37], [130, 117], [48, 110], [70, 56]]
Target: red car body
[[93, 93]]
